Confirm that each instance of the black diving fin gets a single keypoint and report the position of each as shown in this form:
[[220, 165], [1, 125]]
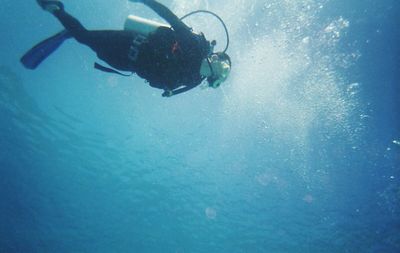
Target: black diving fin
[[42, 50]]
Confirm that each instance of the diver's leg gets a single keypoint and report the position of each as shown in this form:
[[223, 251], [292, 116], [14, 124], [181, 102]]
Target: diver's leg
[[70, 23], [110, 46], [76, 29]]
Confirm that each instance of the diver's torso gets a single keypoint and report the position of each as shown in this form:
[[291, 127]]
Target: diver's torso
[[167, 61]]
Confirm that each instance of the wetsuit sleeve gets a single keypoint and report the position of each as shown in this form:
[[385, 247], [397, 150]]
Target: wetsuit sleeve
[[168, 15]]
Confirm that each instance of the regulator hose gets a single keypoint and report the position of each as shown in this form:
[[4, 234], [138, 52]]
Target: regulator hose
[[216, 16]]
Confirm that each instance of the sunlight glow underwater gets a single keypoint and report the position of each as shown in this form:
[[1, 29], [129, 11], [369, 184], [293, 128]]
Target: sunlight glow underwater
[[288, 72]]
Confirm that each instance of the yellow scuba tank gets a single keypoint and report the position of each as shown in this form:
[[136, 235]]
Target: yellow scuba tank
[[141, 25]]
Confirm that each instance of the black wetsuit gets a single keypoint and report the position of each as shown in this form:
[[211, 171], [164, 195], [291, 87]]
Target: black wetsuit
[[168, 59]]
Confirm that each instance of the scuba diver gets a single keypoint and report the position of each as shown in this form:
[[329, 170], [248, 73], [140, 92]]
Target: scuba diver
[[171, 58]]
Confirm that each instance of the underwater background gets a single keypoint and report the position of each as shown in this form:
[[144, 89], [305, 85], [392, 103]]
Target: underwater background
[[299, 151]]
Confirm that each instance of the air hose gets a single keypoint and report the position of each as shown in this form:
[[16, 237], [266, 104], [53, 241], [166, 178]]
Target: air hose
[[216, 16]]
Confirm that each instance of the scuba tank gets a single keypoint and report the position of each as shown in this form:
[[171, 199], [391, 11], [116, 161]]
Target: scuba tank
[[141, 25]]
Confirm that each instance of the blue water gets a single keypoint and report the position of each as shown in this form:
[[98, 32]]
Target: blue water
[[298, 152]]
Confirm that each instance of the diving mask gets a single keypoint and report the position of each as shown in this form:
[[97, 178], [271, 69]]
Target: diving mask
[[220, 66]]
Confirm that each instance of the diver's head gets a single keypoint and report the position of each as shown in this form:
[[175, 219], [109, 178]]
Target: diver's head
[[216, 68]]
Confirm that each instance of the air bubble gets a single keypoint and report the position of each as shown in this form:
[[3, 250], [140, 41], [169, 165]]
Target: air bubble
[[308, 199], [211, 213]]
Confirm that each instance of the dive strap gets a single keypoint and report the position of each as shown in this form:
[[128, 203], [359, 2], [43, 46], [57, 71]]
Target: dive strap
[[109, 70]]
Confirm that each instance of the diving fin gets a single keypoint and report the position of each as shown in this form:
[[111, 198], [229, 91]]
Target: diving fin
[[42, 50]]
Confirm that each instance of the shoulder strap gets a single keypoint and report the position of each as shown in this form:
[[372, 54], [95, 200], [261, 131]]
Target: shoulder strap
[[109, 70]]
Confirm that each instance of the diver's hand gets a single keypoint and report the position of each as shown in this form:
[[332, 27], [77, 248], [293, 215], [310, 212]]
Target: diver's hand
[[168, 93]]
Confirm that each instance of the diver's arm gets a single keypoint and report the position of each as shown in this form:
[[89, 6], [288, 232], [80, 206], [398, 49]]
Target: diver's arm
[[166, 14]]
